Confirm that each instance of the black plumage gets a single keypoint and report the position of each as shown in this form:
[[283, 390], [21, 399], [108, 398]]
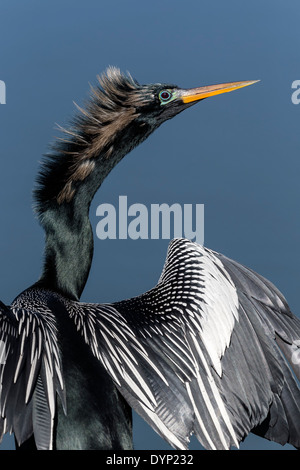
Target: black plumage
[[212, 349]]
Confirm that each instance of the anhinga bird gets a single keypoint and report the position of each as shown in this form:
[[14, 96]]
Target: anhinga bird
[[210, 350]]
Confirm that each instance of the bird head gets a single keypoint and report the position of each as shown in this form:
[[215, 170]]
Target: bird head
[[119, 115], [121, 95], [170, 100], [155, 103]]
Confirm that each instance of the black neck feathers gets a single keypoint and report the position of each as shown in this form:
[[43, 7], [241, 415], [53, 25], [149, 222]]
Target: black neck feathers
[[104, 132]]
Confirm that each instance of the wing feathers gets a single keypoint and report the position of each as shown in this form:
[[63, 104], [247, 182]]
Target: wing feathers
[[31, 375], [203, 352], [212, 349]]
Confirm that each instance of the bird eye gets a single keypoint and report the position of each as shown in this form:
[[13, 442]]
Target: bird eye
[[165, 95]]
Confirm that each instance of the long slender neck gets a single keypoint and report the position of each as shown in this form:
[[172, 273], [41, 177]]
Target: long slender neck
[[69, 180], [65, 219], [68, 250], [110, 126]]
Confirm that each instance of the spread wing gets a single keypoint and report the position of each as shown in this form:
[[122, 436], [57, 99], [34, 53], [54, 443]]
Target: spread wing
[[209, 351], [30, 374]]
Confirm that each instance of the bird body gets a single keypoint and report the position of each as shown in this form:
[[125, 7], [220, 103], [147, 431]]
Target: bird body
[[209, 350]]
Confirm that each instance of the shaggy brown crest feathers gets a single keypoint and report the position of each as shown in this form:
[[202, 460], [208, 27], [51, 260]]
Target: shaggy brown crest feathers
[[112, 106]]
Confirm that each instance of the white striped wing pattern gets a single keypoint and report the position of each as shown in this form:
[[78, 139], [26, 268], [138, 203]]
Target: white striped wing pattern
[[198, 353], [30, 374]]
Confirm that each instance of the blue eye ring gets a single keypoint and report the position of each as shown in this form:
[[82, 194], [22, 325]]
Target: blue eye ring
[[165, 95]]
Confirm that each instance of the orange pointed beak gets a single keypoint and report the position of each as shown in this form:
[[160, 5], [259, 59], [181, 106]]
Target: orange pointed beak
[[195, 94]]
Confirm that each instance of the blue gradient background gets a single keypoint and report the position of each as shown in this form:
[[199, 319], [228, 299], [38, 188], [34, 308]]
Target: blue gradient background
[[237, 153]]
